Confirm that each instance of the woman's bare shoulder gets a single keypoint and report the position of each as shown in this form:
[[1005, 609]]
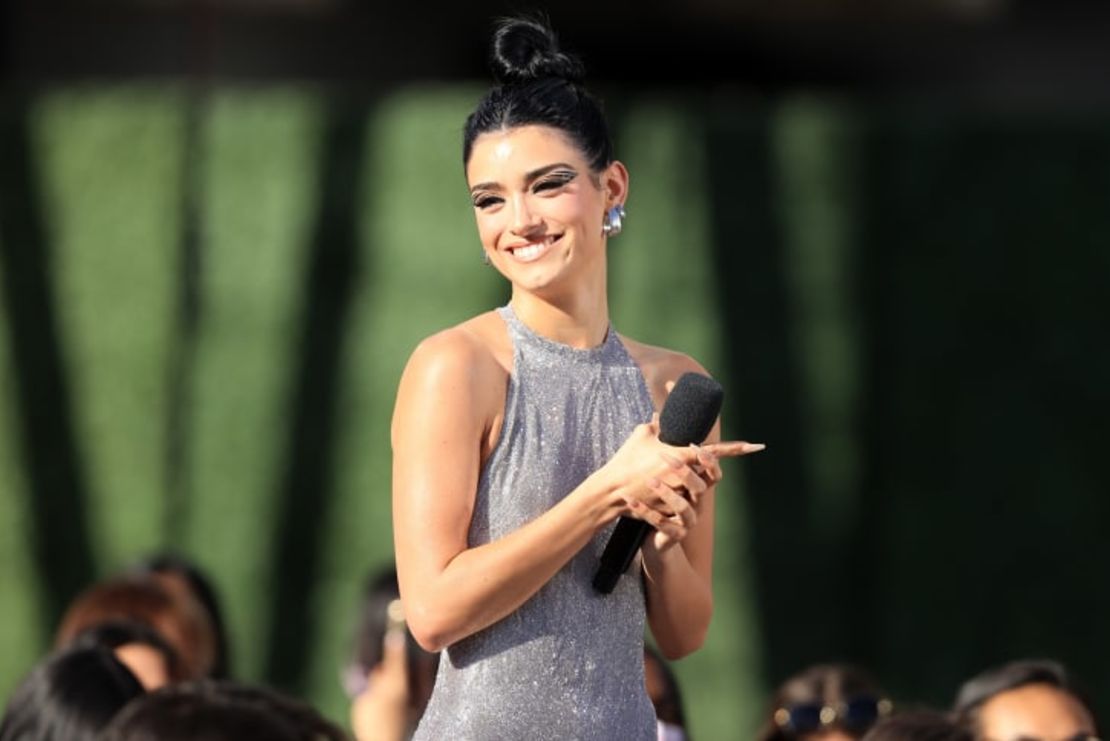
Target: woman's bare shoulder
[[470, 356], [660, 365]]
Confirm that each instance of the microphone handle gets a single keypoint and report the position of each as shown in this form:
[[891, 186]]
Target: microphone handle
[[624, 543]]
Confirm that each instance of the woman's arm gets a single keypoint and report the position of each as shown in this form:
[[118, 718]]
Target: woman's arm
[[448, 393], [678, 571], [679, 578]]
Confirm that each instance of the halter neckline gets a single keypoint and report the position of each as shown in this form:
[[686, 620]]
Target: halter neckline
[[527, 334]]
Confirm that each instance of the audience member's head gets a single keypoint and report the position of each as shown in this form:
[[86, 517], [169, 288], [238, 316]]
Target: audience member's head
[[662, 688], [141, 649], [389, 677], [211, 710], [1026, 700], [830, 702], [144, 600], [918, 726], [374, 619], [69, 696], [179, 573]]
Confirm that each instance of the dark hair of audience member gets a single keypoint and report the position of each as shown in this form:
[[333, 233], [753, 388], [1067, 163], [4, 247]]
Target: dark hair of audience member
[[977, 691], [822, 684], [211, 710], [69, 696], [181, 570], [371, 624], [663, 690], [181, 622], [117, 634], [920, 725]]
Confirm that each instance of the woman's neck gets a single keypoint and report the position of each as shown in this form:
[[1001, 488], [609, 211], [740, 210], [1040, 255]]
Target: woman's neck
[[580, 320]]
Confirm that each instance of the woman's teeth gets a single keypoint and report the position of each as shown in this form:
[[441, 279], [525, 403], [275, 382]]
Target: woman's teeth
[[529, 252], [535, 250]]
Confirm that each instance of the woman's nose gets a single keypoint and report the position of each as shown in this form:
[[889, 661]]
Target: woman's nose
[[524, 219]]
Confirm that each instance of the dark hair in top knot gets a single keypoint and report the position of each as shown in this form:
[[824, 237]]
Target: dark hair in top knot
[[524, 49], [539, 85]]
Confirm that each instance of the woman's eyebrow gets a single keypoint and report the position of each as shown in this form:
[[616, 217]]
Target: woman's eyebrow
[[529, 177], [540, 172], [485, 186]]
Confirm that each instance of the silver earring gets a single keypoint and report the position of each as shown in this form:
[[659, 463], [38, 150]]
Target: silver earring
[[485, 257], [613, 222]]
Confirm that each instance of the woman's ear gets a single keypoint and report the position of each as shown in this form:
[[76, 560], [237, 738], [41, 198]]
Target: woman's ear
[[614, 181]]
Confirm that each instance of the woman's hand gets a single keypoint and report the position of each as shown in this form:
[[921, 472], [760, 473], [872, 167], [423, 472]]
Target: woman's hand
[[662, 484], [679, 511]]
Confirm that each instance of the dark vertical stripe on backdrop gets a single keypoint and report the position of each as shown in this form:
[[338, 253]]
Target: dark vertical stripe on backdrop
[[308, 484], [188, 316], [760, 361], [879, 244], [56, 483]]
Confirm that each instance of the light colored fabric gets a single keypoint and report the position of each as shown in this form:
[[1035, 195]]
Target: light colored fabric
[[568, 664]]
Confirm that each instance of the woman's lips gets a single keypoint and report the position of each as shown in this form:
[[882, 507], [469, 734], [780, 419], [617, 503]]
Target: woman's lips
[[533, 250]]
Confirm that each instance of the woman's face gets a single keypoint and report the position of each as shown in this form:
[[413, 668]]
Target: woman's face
[[539, 207]]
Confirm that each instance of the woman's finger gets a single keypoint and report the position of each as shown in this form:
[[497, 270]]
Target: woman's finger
[[681, 475], [710, 466], [664, 524], [680, 507], [670, 470], [732, 448]]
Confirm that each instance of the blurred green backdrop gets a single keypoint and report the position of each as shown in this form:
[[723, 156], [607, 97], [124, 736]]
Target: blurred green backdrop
[[208, 300]]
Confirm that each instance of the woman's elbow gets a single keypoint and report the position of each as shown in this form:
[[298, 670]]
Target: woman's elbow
[[430, 641], [434, 627], [682, 646], [429, 633]]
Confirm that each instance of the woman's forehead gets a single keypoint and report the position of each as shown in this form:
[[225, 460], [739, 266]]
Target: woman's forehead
[[505, 153]]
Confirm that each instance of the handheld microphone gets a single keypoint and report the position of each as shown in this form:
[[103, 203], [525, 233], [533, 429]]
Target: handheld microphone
[[688, 415]]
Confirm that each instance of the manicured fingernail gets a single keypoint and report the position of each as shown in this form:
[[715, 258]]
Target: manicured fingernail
[[756, 447]]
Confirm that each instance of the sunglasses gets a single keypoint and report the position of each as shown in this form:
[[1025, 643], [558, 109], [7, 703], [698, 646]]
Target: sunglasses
[[1081, 736], [855, 714]]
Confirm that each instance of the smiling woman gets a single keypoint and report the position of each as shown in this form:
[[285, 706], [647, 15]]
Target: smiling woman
[[521, 435], [548, 218]]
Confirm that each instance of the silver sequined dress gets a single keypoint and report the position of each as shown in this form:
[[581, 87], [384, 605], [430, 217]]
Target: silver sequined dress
[[568, 664]]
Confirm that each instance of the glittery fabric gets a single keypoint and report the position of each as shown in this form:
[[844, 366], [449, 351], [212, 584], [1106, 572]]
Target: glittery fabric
[[568, 664]]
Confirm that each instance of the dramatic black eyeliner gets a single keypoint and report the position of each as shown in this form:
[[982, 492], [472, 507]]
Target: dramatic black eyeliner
[[556, 179]]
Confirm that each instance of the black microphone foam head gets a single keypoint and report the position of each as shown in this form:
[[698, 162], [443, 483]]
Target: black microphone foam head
[[691, 409]]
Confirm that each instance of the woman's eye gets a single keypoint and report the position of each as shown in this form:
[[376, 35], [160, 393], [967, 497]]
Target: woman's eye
[[554, 182], [486, 201]]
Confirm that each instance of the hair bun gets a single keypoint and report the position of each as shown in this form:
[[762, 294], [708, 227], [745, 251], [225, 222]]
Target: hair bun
[[525, 49]]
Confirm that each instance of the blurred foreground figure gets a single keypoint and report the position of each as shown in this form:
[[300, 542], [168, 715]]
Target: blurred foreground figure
[[179, 620], [1025, 701], [390, 677], [218, 711], [149, 656], [187, 581], [662, 687], [831, 702], [918, 726], [69, 696]]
